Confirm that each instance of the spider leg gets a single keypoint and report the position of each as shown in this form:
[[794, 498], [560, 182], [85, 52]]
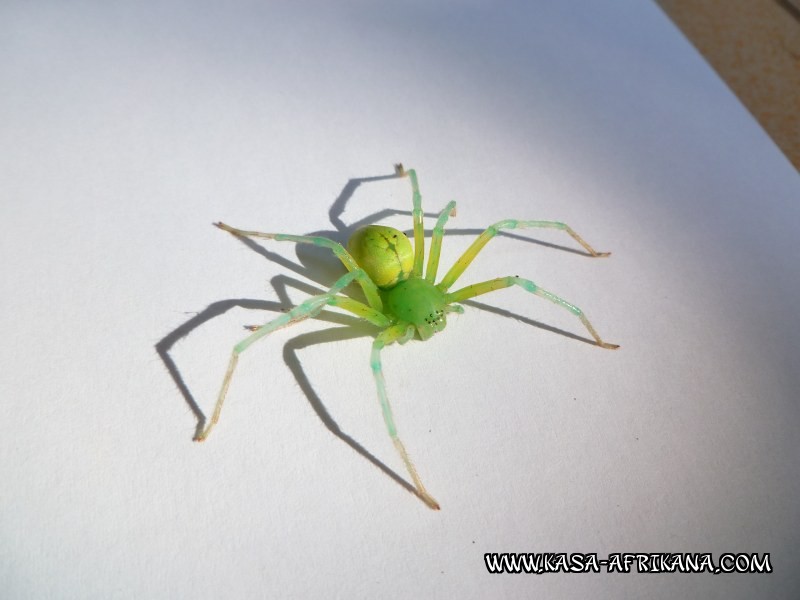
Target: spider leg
[[419, 232], [310, 308], [469, 255], [397, 333], [436, 241], [369, 287], [503, 282]]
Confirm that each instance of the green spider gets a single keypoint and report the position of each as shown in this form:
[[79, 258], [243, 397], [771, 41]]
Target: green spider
[[400, 300]]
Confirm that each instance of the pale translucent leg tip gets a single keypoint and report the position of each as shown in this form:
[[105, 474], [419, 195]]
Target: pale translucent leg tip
[[202, 435], [224, 227], [602, 254], [431, 503], [609, 346]]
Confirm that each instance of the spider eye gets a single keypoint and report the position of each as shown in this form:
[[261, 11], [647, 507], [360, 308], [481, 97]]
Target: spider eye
[[436, 320]]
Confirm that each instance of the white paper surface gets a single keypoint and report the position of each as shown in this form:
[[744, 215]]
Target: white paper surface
[[129, 128]]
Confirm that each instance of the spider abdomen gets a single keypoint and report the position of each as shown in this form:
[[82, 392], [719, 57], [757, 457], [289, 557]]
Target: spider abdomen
[[383, 252], [418, 302]]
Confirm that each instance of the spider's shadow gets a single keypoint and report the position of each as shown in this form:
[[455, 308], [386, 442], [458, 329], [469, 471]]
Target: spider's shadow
[[349, 328], [320, 266]]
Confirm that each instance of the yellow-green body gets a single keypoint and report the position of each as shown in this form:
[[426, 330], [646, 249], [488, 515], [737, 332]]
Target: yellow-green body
[[387, 256]]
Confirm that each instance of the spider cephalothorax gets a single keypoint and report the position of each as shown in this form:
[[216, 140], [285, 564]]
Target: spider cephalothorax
[[418, 302], [400, 299]]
